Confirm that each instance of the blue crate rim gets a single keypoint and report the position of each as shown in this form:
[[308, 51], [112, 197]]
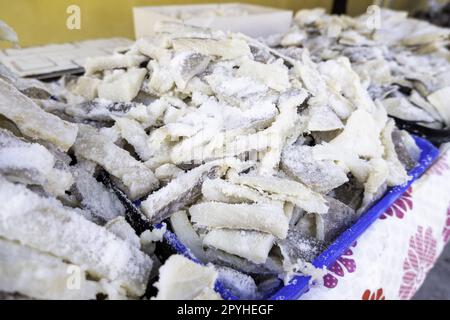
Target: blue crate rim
[[300, 284]]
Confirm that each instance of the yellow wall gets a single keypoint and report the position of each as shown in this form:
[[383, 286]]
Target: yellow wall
[[44, 21]]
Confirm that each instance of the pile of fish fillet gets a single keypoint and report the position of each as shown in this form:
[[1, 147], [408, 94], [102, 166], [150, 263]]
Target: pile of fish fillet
[[255, 154]]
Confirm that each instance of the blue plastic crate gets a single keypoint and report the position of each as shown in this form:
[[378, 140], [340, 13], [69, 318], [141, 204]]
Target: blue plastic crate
[[300, 284]]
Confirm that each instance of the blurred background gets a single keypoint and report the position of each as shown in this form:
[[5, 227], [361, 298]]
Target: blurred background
[[40, 22]]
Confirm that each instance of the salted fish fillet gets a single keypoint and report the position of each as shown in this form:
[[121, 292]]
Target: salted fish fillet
[[45, 224], [284, 190], [31, 163], [225, 48], [268, 218], [34, 122], [184, 190], [180, 192], [40, 275], [251, 245], [137, 179], [182, 279], [97, 64]]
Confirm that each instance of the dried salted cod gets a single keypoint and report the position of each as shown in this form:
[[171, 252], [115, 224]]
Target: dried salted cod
[[117, 61], [154, 47], [440, 100], [273, 75], [240, 284], [186, 65], [273, 138], [224, 191], [403, 109], [251, 245], [225, 48], [31, 163], [406, 148], [101, 110], [87, 87], [94, 197], [185, 189], [41, 275], [268, 218], [183, 279], [122, 86], [135, 135], [137, 179], [32, 121], [44, 224], [338, 218], [359, 139], [297, 246], [397, 173], [320, 175], [284, 190]]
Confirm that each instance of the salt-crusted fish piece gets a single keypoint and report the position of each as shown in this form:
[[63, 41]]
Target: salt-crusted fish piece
[[116, 61], [44, 224], [397, 173], [182, 191], [122, 229], [153, 47], [320, 175], [137, 179], [122, 86], [440, 100], [375, 184], [100, 109], [297, 246], [359, 139], [187, 235], [403, 109], [284, 190], [186, 65], [235, 90], [251, 245], [240, 284], [225, 48], [224, 191], [407, 151], [416, 99], [322, 118], [221, 258], [135, 135], [183, 279], [338, 218], [94, 196], [32, 121], [85, 86], [268, 218], [41, 275], [273, 75], [33, 164], [167, 172]]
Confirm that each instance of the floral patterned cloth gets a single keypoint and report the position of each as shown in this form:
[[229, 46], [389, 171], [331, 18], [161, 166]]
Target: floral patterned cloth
[[392, 258]]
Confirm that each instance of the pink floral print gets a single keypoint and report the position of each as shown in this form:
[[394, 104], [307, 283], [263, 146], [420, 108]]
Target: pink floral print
[[337, 270], [400, 206], [419, 260]]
